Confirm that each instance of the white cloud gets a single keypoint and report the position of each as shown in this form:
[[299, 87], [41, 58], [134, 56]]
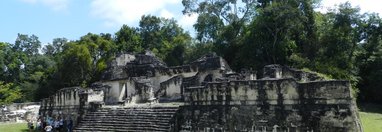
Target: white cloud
[[365, 5], [187, 21], [117, 12], [166, 14], [56, 5]]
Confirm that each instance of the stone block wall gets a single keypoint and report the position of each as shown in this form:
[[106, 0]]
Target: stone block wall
[[71, 103], [214, 98], [270, 105]]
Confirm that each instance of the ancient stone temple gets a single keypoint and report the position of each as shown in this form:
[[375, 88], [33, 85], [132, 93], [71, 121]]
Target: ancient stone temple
[[140, 93]]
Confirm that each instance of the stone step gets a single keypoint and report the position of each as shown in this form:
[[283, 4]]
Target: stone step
[[112, 125], [128, 119], [108, 111], [153, 122], [140, 108], [131, 113], [121, 129], [166, 120], [161, 110]]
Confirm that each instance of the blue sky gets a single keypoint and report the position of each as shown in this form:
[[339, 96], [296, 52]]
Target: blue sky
[[72, 19]]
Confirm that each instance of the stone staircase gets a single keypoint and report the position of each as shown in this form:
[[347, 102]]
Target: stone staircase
[[132, 119]]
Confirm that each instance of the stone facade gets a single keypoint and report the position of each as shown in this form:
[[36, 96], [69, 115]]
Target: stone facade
[[19, 112], [212, 97]]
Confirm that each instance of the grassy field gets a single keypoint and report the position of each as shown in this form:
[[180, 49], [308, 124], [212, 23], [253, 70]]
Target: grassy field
[[14, 127], [371, 117]]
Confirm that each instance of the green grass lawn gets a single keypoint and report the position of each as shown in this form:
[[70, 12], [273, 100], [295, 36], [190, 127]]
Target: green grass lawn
[[14, 127], [371, 117]]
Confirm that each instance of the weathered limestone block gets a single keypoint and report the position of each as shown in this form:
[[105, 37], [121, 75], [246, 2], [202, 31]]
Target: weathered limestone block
[[269, 105], [211, 97], [273, 71], [73, 103]]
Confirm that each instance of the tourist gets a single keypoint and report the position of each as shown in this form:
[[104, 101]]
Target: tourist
[[56, 124], [48, 128], [48, 121], [30, 126], [70, 125], [39, 125], [61, 123], [44, 124]]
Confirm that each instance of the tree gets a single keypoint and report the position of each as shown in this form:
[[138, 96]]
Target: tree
[[76, 65], [3, 67], [39, 68], [56, 47], [165, 38], [13, 67], [214, 15], [338, 47], [28, 44], [101, 48], [369, 60], [275, 35], [82, 62], [221, 23], [149, 27], [8, 93], [128, 39]]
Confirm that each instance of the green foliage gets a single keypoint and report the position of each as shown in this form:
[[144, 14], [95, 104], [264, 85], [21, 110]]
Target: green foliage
[[128, 39], [165, 38], [371, 115], [56, 47], [14, 127], [196, 50], [276, 35], [82, 62], [28, 44], [221, 23], [76, 64], [326, 77], [341, 44], [9, 93]]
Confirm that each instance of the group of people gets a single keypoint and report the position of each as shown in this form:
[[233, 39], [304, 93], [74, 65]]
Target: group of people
[[50, 124]]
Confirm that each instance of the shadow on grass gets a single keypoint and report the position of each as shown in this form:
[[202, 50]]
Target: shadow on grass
[[27, 130]]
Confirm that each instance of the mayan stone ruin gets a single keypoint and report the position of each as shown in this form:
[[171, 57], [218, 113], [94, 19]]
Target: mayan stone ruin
[[139, 92]]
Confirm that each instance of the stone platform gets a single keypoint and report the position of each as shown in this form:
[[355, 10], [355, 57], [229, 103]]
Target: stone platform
[[140, 93], [137, 118]]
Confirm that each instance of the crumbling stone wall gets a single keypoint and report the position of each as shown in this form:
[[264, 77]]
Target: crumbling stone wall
[[144, 78], [215, 98], [278, 71], [270, 104], [71, 103], [19, 112]]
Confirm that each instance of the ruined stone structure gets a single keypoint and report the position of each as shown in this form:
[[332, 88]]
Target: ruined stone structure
[[19, 112], [140, 93]]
